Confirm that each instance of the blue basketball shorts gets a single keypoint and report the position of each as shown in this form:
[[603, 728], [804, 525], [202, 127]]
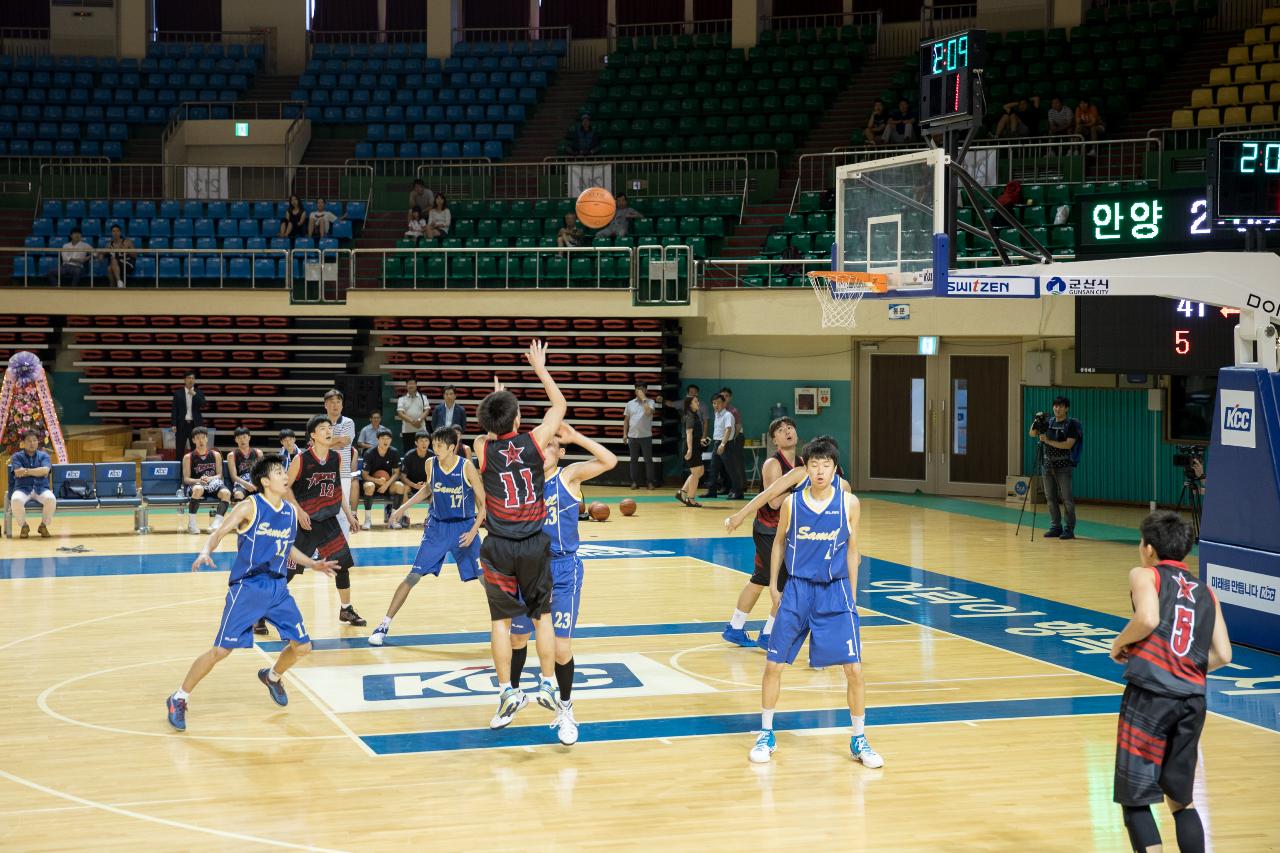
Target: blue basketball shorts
[[254, 598], [566, 594], [439, 539], [825, 612]]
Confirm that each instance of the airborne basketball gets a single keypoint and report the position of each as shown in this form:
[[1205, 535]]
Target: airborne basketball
[[941, 345]]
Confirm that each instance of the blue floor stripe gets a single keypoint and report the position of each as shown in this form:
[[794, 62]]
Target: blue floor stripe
[[724, 724], [461, 637]]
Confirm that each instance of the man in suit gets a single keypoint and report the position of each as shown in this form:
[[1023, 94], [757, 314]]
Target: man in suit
[[188, 413], [450, 412]]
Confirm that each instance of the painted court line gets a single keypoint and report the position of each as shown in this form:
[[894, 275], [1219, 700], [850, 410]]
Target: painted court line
[[324, 709], [582, 632], [735, 724]]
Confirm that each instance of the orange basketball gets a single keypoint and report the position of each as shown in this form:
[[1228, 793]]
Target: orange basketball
[[627, 506], [599, 511], [596, 207]]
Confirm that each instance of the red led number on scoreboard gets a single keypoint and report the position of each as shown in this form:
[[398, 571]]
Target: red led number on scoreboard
[[511, 498], [1184, 626], [1182, 341]]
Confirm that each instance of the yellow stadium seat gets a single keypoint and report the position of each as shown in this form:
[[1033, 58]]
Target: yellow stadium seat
[[1234, 115], [1222, 76], [1255, 35], [1273, 34], [1262, 114], [1184, 118], [1246, 73], [1262, 53], [1238, 55], [1201, 98], [1208, 118], [1226, 96], [1271, 15], [1273, 93], [1255, 94], [1270, 71]]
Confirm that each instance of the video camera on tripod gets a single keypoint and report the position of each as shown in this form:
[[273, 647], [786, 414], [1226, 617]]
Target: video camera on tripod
[[1190, 457], [1040, 423]]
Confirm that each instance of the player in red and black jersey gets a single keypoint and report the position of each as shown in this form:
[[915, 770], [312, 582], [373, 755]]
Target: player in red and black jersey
[[241, 463], [202, 479], [315, 490], [515, 556], [1175, 638]]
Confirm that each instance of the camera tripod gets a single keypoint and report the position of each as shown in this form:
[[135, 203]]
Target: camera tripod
[[1192, 496], [1038, 471]]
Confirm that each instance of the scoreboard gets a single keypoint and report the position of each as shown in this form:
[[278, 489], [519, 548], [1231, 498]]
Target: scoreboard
[[1152, 334], [949, 73], [1245, 176]]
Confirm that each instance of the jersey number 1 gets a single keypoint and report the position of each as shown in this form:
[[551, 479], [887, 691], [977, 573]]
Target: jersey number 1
[[511, 499]]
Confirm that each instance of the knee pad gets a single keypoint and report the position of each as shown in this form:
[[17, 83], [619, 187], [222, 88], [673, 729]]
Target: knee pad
[[411, 580], [1142, 827], [342, 579], [1190, 830]]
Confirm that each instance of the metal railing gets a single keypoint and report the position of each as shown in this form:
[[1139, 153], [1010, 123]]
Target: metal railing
[[758, 159], [940, 20], [95, 273], [1236, 15], [1038, 159], [505, 35], [15, 165], [24, 41], [263, 37], [1196, 139], [416, 270], [558, 179], [667, 28], [818, 21], [663, 289], [127, 181], [369, 37], [399, 167], [734, 272]]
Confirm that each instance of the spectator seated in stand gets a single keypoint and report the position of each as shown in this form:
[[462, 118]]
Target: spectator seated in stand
[[368, 436], [586, 142], [240, 462], [29, 470], [901, 126], [420, 197], [119, 256], [295, 218], [321, 220], [873, 133], [439, 220], [620, 226], [1059, 117], [76, 255], [570, 235], [1088, 123], [380, 475], [1016, 120], [417, 224]]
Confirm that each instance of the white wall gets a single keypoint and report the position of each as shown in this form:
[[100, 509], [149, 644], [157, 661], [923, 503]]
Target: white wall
[[288, 17]]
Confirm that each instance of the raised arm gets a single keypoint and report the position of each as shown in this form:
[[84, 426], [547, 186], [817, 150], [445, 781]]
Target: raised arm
[[602, 461], [781, 486], [543, 432]]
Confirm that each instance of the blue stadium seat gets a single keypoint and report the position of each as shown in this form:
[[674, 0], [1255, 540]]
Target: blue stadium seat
[[51, 209], [357, 210], [161, 482], [216, 210], [238, 210], [170, 209], [248, 228], [233, 244], [264, 268], [364, 150], [182, 243], [182, 227], [122, 209], [170, 267], [159, 227], [194, 267], [238, 268], [227, 228], [91, 227], [145, 210], [138, 228], [78, 474], [342, 229], [264, 210], [204, 228], [76, 209], [113, 150]]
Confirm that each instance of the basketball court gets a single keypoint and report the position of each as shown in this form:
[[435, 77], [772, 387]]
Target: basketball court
[[990, 695]]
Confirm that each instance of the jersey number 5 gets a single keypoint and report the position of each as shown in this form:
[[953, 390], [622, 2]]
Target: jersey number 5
[[511, 498], [1184, 626]]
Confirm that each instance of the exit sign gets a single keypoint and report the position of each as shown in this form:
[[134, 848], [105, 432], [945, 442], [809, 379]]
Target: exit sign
[[242, 128]]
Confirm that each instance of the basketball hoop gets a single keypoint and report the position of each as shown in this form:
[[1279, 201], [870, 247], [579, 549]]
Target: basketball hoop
[[840, 292]]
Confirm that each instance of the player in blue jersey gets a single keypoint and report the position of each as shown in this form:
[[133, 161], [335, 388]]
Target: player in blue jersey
[[818, 539], [258, 585], [563, 495], [456, 497]]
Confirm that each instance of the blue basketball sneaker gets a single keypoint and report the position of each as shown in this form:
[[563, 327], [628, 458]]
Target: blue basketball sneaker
[[737, 636], [547, 697], [863, 752], [763, 641], [765, 744], [177, 709], [275, 688], [511, 700]]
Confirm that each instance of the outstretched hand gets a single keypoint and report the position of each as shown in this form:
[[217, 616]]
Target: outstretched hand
[[326, 567], [203, 560], [537, 355]]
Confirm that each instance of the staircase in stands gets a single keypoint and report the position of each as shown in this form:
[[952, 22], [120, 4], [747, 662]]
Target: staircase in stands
[[1190, 71], [15, 226], [381, 231], [840, 126], [543, 130]]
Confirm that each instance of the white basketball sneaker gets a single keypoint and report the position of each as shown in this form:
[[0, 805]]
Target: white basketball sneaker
[[565, 725], [863, 752]]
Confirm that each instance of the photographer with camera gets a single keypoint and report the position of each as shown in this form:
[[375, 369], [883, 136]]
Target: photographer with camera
[[1061, 439]]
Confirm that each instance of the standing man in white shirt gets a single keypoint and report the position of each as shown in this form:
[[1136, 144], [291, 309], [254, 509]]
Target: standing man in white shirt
[[638, 423], [411, 411], [723, 430], [344, 439], [187, 413]]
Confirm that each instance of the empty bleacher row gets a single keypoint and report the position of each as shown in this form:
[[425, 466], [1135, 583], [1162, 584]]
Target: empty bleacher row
[[31, 332], [595, 361], [82, 106], [1246, 90], [259, 372], [696, 93], [173, 225]]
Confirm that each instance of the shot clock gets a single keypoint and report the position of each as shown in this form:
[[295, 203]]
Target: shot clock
[[949, 71], [1152, 334], [1245, 175]]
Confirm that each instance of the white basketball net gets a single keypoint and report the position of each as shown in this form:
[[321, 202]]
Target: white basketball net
[[839, 294]]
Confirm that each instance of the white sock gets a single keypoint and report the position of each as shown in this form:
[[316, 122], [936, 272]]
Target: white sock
[[504, 685], [766, 719], [385, 623], [738, 621], [858, 724], [273, 676], [180, 694], [768, 625]]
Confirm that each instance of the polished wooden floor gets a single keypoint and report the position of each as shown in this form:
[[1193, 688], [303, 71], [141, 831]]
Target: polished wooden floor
[[87, 761]]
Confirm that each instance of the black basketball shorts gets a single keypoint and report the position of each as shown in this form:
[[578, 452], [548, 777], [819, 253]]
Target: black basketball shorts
[[517, 575], [325, 539], [764, 554], [1156, 742]]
